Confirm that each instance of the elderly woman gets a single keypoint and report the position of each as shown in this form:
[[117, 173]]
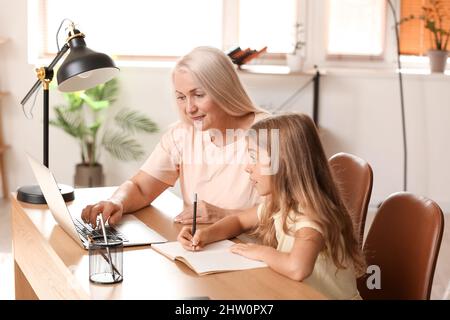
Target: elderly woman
[[206, 149]]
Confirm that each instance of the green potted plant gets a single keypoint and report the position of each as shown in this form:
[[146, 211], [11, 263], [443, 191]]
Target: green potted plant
[[295, 58], [435, 19], [89, 117]]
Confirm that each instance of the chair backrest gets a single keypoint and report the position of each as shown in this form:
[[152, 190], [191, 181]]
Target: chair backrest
[[403, 241], [354, 179]]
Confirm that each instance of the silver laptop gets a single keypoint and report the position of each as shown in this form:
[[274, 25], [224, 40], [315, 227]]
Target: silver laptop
[[131, 230]]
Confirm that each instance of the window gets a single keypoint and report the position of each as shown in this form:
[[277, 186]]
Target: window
[[136, 29], [139, 28], [414, 38], [272, 26], [356, 27]]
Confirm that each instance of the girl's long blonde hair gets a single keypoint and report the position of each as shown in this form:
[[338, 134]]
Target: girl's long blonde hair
[[303, 184], [215, 72]]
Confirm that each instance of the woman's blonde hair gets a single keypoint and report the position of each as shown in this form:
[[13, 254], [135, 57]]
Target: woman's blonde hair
[[303, 184], [215, 72]]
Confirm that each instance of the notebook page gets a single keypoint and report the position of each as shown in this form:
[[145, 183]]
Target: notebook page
[[221, 260], [174, 249], [214, 257]]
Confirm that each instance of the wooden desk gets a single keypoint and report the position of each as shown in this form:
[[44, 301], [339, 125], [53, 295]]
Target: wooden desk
[[50, 265]]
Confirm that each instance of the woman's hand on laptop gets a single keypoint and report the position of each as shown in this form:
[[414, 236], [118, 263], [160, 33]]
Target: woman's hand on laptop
[[111, 210]]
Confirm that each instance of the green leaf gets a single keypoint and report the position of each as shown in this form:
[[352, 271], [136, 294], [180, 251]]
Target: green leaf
[[95, 92], [74, 100], [106, 91], [110, 90], [121, 146], [95, 105], [134, 121], [70, 122], [93, 128]]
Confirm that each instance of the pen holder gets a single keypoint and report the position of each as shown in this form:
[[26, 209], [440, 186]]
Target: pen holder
[[105, 260]]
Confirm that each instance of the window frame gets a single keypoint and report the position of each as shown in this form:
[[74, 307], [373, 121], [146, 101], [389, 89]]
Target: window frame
[[356, 57], [37, 13], [309, 12]]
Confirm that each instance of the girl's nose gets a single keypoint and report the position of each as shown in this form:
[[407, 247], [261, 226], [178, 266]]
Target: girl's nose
[[248, 168]]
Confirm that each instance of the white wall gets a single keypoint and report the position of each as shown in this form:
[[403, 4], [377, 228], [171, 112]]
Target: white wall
[[359, 113]]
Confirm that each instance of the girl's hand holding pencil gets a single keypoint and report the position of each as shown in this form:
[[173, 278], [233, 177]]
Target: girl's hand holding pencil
[[190, 242]]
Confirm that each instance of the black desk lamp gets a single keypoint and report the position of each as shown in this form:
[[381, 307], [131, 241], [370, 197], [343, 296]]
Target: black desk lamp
[[82, 69]]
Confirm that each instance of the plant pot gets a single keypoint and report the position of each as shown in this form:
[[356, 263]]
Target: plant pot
[[89, 176], [438, 60], [295, 62]]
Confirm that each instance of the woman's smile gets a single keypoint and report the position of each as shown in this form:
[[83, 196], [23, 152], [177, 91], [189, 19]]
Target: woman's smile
[[198, 118]]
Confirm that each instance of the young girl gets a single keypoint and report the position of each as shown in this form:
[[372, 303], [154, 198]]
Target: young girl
[[305, 228]]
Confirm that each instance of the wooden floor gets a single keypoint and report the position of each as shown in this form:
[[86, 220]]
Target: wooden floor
[[441, 283]]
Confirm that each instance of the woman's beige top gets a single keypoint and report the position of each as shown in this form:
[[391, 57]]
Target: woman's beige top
[[216, 174], [326, 277]]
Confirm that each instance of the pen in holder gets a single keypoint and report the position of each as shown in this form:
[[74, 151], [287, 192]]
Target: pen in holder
[[105, 260]]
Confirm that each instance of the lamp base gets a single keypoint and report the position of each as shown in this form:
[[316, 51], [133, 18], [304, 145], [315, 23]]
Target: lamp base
[[33, 194]]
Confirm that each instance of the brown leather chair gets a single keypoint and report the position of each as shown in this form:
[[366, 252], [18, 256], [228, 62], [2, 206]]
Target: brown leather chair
[[354, 179], [404, 242]]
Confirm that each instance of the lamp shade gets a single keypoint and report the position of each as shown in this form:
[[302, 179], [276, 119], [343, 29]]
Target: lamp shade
[[84, 68]]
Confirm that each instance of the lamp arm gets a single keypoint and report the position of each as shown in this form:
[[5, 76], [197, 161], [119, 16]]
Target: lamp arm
[[50, 67], [58, 57]]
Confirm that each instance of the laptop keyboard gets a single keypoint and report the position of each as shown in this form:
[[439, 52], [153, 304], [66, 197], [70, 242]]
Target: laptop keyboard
[[86, 230]]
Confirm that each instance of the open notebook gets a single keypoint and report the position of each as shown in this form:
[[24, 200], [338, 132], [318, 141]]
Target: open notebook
[[215, 257]]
